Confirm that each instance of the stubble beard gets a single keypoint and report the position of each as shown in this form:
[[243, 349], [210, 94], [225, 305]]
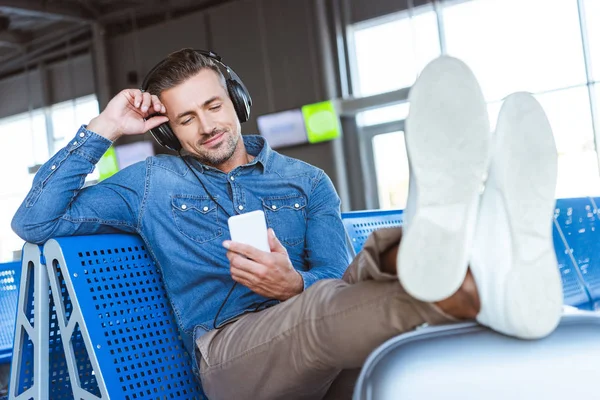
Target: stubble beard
[[219, 155]]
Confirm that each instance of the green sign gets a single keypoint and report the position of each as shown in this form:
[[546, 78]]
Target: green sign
[[321, 121], [108, 165]]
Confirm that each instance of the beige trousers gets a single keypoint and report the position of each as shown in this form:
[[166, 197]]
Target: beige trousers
[[313, 345]]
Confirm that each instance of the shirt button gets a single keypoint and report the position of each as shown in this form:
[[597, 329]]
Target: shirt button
[[296, 205], [75, 143], [81, 134], [240, 207], [205, 208], [183, 207], [232, 178], [274, 207], [53, 167]]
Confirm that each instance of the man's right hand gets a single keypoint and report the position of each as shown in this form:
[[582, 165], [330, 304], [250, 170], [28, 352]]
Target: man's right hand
[[125, 115]]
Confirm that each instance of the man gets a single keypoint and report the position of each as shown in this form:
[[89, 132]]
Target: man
[[281, 324]]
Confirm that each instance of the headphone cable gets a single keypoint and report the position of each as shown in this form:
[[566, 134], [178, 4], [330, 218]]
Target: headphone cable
[[256, 309]]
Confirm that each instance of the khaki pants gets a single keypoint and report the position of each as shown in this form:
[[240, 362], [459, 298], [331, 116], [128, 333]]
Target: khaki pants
[[298, 348]]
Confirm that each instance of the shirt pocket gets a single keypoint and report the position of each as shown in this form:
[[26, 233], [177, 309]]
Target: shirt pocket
[[287, 216], [196, 217]]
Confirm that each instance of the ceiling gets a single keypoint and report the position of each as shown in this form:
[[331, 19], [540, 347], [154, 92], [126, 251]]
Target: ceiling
[[33, 29]]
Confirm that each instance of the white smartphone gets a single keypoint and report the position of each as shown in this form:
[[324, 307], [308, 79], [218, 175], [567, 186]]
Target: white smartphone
[[250, 228]]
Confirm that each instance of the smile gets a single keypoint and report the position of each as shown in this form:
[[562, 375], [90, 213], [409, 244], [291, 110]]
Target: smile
[[213, 140]]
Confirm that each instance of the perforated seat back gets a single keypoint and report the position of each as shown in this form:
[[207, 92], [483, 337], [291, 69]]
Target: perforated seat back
[[10, 274], [130, 346], [360, 224], [470, 362], [576, 236], [578, 221]]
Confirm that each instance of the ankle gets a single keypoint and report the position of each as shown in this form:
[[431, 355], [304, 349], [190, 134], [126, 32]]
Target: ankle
[[464, 303], [388, 260]]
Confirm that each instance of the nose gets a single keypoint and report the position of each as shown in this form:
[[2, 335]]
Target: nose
[[206, 125]]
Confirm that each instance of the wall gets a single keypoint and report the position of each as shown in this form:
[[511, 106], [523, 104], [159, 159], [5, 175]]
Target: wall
[[65, 80], [271, 44]]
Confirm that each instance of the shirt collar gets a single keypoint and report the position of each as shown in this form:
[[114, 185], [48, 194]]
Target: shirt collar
[[258, 147]]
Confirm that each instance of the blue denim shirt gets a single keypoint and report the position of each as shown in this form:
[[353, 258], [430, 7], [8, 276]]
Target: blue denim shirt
[[162, 201]]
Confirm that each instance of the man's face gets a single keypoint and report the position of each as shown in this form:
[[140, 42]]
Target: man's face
[[202, 117]]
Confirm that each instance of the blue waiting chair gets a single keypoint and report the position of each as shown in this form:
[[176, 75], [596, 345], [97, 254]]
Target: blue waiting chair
[[576, 235], [578, 223], [10, 274], [110, 333]]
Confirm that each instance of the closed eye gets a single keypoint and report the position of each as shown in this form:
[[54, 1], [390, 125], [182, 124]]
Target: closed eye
[[187, 121], [215, 107]]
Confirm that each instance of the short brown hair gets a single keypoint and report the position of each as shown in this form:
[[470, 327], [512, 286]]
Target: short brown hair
[[177, 67]]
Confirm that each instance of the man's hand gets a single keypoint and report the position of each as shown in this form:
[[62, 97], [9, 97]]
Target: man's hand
[[268, 274], [125, 115]]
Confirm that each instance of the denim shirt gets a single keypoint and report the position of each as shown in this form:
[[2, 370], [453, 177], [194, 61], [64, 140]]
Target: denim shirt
[[183, 228]]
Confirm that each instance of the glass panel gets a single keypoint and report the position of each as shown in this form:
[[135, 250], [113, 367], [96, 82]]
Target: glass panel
[[592, 17], [570, 117], [388, 56], [26, 132], [517, 45], [68, 116], [391, 166]]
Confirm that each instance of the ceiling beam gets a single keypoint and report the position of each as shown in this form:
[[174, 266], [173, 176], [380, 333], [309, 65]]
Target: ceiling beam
[[158, 8], [14, 39], [41, 9]]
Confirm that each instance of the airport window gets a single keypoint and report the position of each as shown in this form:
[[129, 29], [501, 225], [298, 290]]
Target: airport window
[[68, 116], [510, 46], [569, 114], [382, 65], [592, 19], [391, 169], [27, 132]]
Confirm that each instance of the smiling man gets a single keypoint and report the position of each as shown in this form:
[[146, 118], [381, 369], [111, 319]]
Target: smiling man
[[284, 324]]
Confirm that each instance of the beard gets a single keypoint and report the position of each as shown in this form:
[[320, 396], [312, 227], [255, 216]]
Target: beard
[[220, 154]]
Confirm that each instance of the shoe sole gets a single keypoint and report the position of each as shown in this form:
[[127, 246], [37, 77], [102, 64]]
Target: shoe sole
[[447, 139], [525, 169]]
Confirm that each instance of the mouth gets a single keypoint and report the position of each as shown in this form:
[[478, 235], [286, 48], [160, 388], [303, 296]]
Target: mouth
[[214, 140]]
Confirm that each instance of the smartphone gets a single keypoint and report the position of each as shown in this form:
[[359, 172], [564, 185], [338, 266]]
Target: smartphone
[[250, 228]]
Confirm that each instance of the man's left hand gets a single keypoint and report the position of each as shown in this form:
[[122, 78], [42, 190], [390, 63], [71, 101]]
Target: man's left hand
[[269, 274]]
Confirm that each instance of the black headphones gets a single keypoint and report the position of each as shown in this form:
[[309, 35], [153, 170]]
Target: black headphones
[[235, 88]]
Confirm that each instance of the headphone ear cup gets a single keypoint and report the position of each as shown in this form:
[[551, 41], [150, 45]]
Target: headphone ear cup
[[165, 137], [239, 98]]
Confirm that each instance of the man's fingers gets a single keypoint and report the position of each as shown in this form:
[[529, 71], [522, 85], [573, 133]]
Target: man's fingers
[[156, 104], [250, 252], [247, 265], [146, 101], [243, 277], [137, 98], [275, 244], [155, 121]]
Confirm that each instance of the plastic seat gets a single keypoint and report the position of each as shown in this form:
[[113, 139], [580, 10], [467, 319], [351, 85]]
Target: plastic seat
[[112, 330], [470, 362]]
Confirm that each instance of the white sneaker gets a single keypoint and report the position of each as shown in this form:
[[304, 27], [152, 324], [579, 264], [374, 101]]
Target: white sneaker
[[448, 142], [513, 261]]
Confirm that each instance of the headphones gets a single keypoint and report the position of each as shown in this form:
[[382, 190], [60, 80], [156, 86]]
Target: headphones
[[236, 89]]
